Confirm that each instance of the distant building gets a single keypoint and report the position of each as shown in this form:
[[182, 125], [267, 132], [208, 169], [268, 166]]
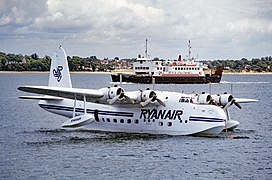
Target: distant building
[[24, 61]]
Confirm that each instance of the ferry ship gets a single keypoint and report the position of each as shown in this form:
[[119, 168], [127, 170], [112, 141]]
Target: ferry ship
[[181, 71]]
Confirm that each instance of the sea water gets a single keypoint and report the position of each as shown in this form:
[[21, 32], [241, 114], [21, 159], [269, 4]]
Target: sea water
[[33, 145]]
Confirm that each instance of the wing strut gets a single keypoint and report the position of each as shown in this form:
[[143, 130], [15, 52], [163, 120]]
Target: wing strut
[[84, 98], [74, 111], [80, 120]]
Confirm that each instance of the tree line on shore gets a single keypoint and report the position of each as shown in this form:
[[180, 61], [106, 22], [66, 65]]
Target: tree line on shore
[[13, 62]]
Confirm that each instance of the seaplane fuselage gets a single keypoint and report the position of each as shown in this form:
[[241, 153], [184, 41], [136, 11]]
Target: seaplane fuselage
[[176, 118]]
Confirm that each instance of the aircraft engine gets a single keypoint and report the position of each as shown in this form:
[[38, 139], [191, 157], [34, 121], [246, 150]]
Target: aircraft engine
[[204, 98], [145, 95], [225, 100], [111, 94], [148, 96]]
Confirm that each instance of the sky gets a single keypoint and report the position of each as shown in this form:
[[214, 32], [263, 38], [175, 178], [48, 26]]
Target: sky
[[225, 29]]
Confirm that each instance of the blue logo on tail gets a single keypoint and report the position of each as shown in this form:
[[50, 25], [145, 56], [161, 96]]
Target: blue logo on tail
[[57, 73]]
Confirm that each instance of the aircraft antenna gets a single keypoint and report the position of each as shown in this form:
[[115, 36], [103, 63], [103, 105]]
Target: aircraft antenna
[[146, 48], [189, 49]]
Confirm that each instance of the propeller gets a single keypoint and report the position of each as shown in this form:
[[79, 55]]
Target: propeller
[[231, 102], [120, 95], [210, 100], [152, 97], [213, 102]]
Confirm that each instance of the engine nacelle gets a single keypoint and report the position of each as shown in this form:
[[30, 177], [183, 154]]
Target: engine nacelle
[[204, 98], [111, 92], [145, 95], [222, 99]]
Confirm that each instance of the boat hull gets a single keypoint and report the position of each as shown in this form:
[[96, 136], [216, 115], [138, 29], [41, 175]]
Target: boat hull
[[132, 78]]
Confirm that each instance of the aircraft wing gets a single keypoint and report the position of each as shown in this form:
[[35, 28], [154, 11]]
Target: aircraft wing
[[52, 98], [69, 93], [245, 100]]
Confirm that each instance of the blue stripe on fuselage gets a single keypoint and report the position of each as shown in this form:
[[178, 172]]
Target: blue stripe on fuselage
[[205, 119]]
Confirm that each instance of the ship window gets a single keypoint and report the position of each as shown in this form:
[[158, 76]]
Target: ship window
[[164, 69], [186, 121], [115, 120], [158, 68], [129, 121], [180, 121], [169, 123], [121, 120], [178, 68], [136, 121], [160, 123], [103, 119], [108, 119], [147, 67]]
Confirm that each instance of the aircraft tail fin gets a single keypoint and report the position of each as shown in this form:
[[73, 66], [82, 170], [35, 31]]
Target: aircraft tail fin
[[59, 70]]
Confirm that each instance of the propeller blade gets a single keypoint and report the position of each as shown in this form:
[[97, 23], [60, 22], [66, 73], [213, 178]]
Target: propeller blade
[[129, 99], [152, 99], [213, 102], [120, 96], [146, 102], [160, 102], [111, 101], [237, 104], [231, 103], [228, 105]]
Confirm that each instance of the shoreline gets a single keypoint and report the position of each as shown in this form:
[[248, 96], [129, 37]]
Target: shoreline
[[102, 72]]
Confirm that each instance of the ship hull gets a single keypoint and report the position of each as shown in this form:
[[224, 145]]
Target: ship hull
[[132, 78]]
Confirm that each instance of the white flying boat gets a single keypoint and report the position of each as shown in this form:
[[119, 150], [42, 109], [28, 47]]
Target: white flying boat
[[148, 111]]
